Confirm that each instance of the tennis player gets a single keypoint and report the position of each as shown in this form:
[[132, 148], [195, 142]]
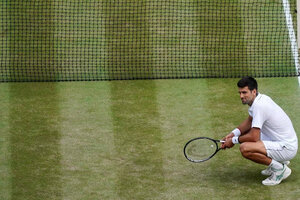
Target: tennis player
[[267, 136]]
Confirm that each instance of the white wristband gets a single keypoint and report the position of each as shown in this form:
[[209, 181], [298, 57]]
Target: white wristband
[[236, 132], [235, 140]]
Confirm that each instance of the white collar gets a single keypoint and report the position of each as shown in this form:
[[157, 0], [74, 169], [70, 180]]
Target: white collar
[[258, 96]]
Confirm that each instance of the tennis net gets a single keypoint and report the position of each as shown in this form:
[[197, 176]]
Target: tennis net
[[79, 40]]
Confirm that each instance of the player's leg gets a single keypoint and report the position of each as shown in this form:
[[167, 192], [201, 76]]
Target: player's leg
[[256, 152], [269, 153], [277, 152]]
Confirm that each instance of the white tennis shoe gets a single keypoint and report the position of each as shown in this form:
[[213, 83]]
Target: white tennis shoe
[[277, 175], [268, 171]]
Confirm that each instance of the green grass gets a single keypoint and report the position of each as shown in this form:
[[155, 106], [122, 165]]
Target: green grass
[[124, 140]]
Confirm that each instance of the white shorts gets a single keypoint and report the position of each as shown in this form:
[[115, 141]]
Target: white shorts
[[278, 151]]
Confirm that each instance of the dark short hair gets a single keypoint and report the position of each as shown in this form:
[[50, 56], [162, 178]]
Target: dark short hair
[[247, 81]]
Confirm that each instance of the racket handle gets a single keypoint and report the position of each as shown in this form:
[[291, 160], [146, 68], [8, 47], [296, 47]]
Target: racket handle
[[222, 141]]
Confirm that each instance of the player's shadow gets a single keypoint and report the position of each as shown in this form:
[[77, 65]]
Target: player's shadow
[[236, 173]]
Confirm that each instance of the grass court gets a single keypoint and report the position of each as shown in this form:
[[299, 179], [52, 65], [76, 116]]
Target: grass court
[[124, 140]]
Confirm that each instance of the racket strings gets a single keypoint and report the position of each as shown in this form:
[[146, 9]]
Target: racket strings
[[200, 149]]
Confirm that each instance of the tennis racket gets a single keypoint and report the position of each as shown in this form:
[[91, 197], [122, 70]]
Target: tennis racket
[[201, 149]]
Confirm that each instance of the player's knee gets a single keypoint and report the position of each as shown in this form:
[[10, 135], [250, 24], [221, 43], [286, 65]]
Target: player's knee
[[244, 150]]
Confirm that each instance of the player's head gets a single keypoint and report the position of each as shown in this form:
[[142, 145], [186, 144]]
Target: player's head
[[249, 82], [247, 89]]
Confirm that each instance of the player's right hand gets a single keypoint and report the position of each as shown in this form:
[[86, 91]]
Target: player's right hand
[[227, 137]]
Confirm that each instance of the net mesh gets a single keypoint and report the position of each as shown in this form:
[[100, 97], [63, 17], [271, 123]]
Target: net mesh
[[74, 40]]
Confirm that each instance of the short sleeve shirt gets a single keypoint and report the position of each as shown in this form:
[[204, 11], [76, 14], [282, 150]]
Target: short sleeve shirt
[[272, 121]]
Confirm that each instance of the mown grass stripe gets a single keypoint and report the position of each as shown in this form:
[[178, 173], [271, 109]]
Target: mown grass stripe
[[137, 140], [34, 128]]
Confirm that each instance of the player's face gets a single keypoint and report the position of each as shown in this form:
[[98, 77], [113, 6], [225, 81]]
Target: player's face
[[247, 96]]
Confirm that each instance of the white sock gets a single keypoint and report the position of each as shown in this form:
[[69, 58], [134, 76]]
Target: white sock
[[276, 165]]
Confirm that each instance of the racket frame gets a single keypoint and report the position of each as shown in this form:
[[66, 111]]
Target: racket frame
[[200, 138]]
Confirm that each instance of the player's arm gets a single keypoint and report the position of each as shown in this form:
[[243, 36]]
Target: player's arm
[[252, 136], [248, 134], [242, 129], [245, 126]]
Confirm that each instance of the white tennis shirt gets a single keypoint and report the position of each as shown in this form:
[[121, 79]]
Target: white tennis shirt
[[273, 122]]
